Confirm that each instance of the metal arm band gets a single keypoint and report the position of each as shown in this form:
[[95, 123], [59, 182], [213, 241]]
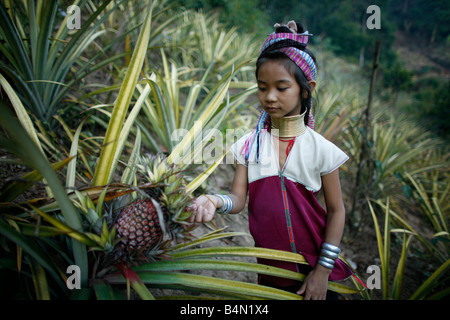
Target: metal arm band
[[325, 264], [329, 254], [327, 260], [330, 247], [227, 204]]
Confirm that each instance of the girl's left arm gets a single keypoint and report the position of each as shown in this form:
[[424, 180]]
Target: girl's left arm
[[315, 285], [335, 208]]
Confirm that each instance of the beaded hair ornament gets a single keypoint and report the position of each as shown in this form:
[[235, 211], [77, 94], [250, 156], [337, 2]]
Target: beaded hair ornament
[[292, 44]]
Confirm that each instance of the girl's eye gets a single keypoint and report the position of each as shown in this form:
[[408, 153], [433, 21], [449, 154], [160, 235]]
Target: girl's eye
[[282, 89], [261, 89]]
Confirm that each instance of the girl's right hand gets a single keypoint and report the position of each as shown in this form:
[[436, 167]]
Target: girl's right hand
[[204, 208]]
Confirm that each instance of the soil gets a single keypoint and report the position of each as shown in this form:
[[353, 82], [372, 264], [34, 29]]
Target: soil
[[11, 169]]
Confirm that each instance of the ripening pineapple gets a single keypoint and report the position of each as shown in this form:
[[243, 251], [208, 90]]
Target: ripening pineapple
[[147, 224], [138, 225]]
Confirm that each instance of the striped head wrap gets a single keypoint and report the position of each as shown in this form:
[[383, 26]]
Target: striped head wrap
[[292, 44]]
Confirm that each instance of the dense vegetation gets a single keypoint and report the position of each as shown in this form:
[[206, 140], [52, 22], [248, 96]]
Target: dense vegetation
[[88, 119]]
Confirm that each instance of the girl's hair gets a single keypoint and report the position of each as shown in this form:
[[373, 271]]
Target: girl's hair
[[293, 69]]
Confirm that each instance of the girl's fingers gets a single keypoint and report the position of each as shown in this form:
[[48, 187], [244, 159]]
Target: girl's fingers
[[203, 210], [199, 214], [202, 215]]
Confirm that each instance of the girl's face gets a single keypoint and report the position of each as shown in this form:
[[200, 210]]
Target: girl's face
[[278, 91]]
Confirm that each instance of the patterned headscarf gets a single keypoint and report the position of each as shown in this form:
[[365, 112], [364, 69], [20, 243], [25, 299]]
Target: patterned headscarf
[[292, 44]]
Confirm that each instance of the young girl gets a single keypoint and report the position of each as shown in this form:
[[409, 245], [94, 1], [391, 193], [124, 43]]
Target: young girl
[[282, 164]]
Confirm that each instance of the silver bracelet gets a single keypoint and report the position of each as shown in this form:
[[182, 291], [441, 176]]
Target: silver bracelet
[[227, 204], [327, 260], [330, 247], [329, 254], [325, 264]]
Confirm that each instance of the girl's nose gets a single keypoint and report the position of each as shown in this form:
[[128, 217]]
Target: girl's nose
[[271, 96]]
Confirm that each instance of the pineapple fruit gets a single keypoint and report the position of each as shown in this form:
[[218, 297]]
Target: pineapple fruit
[[138, 225], [158, 216]]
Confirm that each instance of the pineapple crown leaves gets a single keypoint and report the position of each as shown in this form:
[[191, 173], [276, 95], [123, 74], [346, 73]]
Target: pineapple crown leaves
[[170, 182], [154, 168]]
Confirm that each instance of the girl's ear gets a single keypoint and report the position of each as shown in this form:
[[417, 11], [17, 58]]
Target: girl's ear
[[312, 85]]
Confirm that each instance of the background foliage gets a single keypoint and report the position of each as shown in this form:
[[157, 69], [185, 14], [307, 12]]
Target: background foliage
[[80, 109], [341, 26]]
